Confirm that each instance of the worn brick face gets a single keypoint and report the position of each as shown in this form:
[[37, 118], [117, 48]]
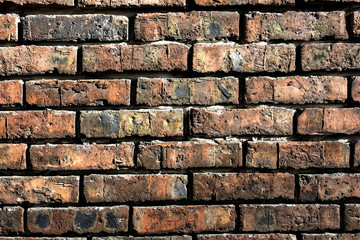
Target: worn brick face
[[13, 156], [57, 221], [247, 58], [40, 2], [192, 26], [293, 25], [187, 91], [11, 93], [247, 186], [257, 121], [137, 188], [123, 123], [296, 89], [11, 220], [82, 157], [262, 155], [129, 3], [243, 2], [184, 219], [9, 27], [47, 93], [289, 217], [331, 236], [246, 237], [31, 59], [194, 154], [352, 217]]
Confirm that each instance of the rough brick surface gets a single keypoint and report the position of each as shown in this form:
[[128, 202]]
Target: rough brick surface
[[289, 217], [40, 2], [247, 58], [123, 123], [243, 2], [82, 157], [296, 89], [138, 188], [262, 155], [192, 26], [330, 236], [11, 220], [295, 26], [247, 237], [184, 219], [13, 156], [11, 93], [352, 220], [9, 27], [47, 93], [57, 221], [187, 91], [137, 3]]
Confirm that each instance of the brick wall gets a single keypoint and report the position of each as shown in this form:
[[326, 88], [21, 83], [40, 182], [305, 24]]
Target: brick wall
[[179, 119]]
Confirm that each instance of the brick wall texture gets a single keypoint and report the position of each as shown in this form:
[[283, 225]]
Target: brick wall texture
[[180, 119]]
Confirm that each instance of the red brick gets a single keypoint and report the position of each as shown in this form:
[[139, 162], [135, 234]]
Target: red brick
[[31, 59], [232, 57], [57, 221], [11, 92], [289, 217], [184, 219], [82, 157], [336, 1], [355, 21], [357, 155], [85, 27], [9, 26], [41, 238], [293, 25], [262, 155], [137, 188], [329, 187], [316, 121], [227, 236], [192, 26], [129, 3], [300, 155], [330, 56], [296, 89], [331, 236], [46, 93], [247, 186], [13, 156], [158, 56], [40, 2], [257, 121], [172, 237], [37, 124], [193, 154], [11, 220], [19, 189], [355, 89], [122, 123], [243, 2], [187, 91], [352, 217]]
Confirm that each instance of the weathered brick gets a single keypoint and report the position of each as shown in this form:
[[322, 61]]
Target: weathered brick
[[57, 221], [40, 2], [296, 89], [243, 2], [355, 89], [11, 220], [300, 155], [37, 124], [331, 236], [289, 217], [45, 93], [137, 188], [130, 3], [85, 27], [355, 21], [13, 156], [247, 186], [187, 91], [257, 121], [158, 56], [184, 219], [232, 57], [192, 26], [352, 217], [262, 155], [122, 123], [82, 157], [31, 59], [172, 237], [336, 1], [329, 187], [9, 27], [357, 155], [294, 25], [19, 189], [316, 121], [227, 236], [11, 92], [330, 56], [41, 238], [192, 154]]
